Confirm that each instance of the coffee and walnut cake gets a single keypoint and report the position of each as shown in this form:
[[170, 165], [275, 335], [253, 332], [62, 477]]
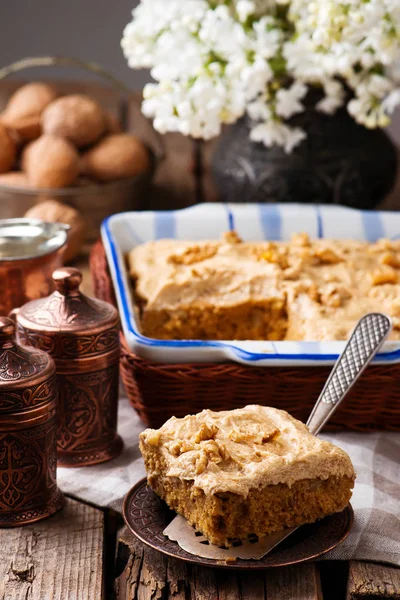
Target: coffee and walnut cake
[[253, 470], [234, 290]]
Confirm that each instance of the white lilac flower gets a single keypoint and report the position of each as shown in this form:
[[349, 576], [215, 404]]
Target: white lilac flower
[[214, 61], [334, 97], [244, 9], [288, 100], [391, 102], [272, 133]]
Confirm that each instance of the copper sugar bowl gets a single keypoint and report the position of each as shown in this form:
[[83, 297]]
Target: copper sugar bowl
[[30, 250], [28, 432], [82, 336]]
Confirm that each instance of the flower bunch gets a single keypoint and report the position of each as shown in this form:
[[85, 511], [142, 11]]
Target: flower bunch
[[214, 61]]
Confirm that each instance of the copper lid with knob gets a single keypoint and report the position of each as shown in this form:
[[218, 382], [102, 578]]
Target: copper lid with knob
[[28, 432], [68, 311], [82, 335]]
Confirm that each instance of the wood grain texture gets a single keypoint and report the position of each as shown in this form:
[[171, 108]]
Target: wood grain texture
[[299, 582], [60, 558], [147, 574], [368, 581]]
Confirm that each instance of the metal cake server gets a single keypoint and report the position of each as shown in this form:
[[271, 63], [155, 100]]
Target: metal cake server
[[365, 341]]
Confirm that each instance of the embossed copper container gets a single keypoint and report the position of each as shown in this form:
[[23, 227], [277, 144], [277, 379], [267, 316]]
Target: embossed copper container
[[82, 336], [30, 250], [28, 432]]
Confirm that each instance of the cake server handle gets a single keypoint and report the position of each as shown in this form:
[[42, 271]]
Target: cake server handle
[[365, 341]]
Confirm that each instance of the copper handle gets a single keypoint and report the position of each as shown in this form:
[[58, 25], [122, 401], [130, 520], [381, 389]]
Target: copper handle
[[7, 333], [67, 281], [14, 314]]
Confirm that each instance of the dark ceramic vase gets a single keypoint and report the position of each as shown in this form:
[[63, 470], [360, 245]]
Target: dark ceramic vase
[[339, 162]]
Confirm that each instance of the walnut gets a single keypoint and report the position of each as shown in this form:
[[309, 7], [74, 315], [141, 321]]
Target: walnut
[[390, 259], [210, 452], [395, 307], [301, 239], [380, 246], [334, 295], [77, 118], [25, 107], [201, 463], [153, 437], [116, 156], [205, 433], [276, 256], [193, 255], [327, 256], [382, 276], [53, 211], [313, 292], [232, 237], [8, 149], [178, 447], [50, 162], [270, 436]]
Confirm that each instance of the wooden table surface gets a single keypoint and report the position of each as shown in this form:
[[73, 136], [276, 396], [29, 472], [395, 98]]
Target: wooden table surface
[[85, 553]]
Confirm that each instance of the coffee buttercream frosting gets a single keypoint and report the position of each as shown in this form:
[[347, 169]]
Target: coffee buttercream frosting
[[243, 449]]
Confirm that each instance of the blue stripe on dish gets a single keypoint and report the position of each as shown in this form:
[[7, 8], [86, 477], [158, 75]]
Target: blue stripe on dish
[[164, 225], [231, 219], [271, 221], [373, 225], [320, 223]]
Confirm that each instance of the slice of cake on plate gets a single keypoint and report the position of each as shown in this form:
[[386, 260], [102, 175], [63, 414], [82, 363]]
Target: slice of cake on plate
[[253, 470]]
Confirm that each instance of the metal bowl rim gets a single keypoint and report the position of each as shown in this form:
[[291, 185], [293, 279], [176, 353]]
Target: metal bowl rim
[[62, 229]]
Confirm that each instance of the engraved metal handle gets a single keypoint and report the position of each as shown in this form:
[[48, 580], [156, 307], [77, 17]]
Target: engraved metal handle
[[365, 341]]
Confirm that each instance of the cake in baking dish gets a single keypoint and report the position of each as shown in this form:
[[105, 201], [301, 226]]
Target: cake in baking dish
[[232, 290], [253, 470]]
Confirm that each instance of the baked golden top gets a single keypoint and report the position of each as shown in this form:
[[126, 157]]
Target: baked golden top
[[243, 449], [326, 285]]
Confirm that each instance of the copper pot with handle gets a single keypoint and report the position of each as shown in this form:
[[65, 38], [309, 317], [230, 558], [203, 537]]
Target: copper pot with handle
[[28, 432], [82, 336], [30, 250]]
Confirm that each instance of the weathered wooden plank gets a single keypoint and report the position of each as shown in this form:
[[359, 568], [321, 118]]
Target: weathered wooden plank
[[177, 576], [369, 581], [153, 576], [228, 585], [252, 585], [203, 584], [57, 559], [126, 584], [145, 574], [298, 582]]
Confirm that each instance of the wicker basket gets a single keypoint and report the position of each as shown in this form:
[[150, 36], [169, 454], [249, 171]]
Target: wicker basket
[[158, 391], [97, 201]]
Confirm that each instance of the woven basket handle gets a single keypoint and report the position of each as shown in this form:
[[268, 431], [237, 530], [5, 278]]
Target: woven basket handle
[[61, 61]]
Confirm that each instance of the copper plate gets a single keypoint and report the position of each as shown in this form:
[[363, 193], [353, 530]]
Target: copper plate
[[147, 516]]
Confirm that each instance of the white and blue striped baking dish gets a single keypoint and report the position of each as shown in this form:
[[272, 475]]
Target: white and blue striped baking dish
[[121, 232]]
